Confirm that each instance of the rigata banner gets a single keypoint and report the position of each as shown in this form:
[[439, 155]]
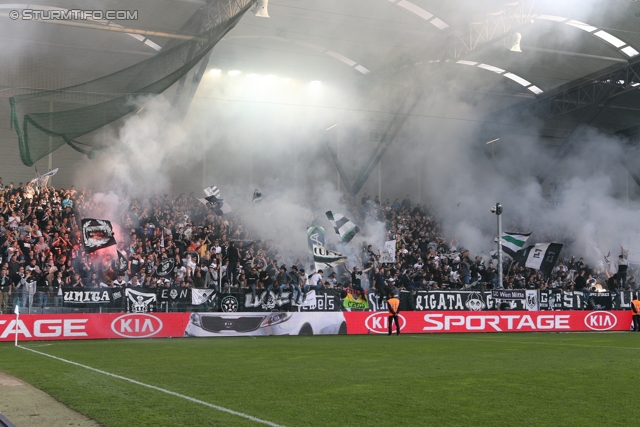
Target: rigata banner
[[517, 299], [414, 322]]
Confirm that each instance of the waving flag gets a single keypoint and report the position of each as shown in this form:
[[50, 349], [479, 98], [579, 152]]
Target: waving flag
[[123, 264], [513, 242], [326, 258], [97, 234], [344, 228], [315, 235], [213, 200], [542, 256], [212, 191]]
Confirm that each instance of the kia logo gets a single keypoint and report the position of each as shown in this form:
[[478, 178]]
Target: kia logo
[[228, 324], [600, 320], [136, 325], [378, 323]]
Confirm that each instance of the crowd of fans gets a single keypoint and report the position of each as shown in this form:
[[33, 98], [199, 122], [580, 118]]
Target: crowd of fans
[[41, 251]]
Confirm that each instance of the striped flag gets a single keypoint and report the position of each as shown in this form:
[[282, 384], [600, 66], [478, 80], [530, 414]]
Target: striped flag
[[542, 256], [513, 242], [344, 228], [212, 191], [213, 200], [315, 235], [326, 258]]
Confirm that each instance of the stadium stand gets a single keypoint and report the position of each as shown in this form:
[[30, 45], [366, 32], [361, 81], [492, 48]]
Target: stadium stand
[[42, 252]]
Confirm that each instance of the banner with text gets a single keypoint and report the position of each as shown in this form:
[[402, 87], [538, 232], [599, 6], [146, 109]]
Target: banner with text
[[414, 322], [92, 326]]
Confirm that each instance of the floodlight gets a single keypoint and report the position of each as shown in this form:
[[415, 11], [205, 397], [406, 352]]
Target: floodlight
[[261, 9], [516, 45]]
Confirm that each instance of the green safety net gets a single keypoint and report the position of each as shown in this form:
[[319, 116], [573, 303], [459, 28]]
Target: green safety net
[[84, 108]]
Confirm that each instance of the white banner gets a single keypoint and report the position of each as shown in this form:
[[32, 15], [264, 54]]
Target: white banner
[[200, 296], [389, 252], [532, 302]]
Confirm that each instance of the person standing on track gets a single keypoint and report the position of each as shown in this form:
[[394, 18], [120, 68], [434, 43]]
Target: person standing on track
[[635, 308], [393, 304]]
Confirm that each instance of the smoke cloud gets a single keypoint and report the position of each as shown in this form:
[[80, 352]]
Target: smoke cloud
[[271, 132]]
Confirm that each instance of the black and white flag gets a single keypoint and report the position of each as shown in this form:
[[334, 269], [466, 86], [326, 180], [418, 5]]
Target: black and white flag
[[542, 256], [326, 258], [140, 301], [122, 263], [200, 296], [165, 268], [257, 196], [315, 236], [513, 242], [344, 228], [213, 200], [212, 191], [97, 234], [389, 252]]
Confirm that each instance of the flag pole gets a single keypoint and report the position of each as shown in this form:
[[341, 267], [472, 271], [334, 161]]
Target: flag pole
[[497, 209], [17, 312]]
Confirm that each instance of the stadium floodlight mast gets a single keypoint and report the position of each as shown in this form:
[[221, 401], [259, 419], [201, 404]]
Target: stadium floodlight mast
[[497, 209]]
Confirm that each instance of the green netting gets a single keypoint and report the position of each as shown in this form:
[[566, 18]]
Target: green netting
[[46, 120]]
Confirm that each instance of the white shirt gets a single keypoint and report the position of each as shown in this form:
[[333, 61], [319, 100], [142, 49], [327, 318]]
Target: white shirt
[[14, 221], [181, 271], [315, 279]]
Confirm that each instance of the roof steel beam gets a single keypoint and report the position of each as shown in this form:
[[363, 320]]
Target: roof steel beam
[[613, 81], [475, 36]]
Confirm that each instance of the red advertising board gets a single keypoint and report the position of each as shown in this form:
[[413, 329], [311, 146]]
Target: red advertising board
[[92, 326], [424, 322], [163, 325]]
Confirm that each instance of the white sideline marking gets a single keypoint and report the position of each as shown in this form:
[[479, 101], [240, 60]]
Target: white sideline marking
[[528, 342], [173, 393]]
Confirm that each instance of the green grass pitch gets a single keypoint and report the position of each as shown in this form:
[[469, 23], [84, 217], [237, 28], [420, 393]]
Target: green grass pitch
[[408, 380]]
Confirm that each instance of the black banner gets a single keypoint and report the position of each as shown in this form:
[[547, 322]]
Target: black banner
[[322, 300], [325, 300], [509, 294], [174, 295], [140, 300], [477, 301], [93, 296], [166, 267], [97, 234], [123, 264], [550, 299], [447, 300]]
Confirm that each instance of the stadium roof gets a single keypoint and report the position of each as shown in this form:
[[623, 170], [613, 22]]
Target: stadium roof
[[577, 65]]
